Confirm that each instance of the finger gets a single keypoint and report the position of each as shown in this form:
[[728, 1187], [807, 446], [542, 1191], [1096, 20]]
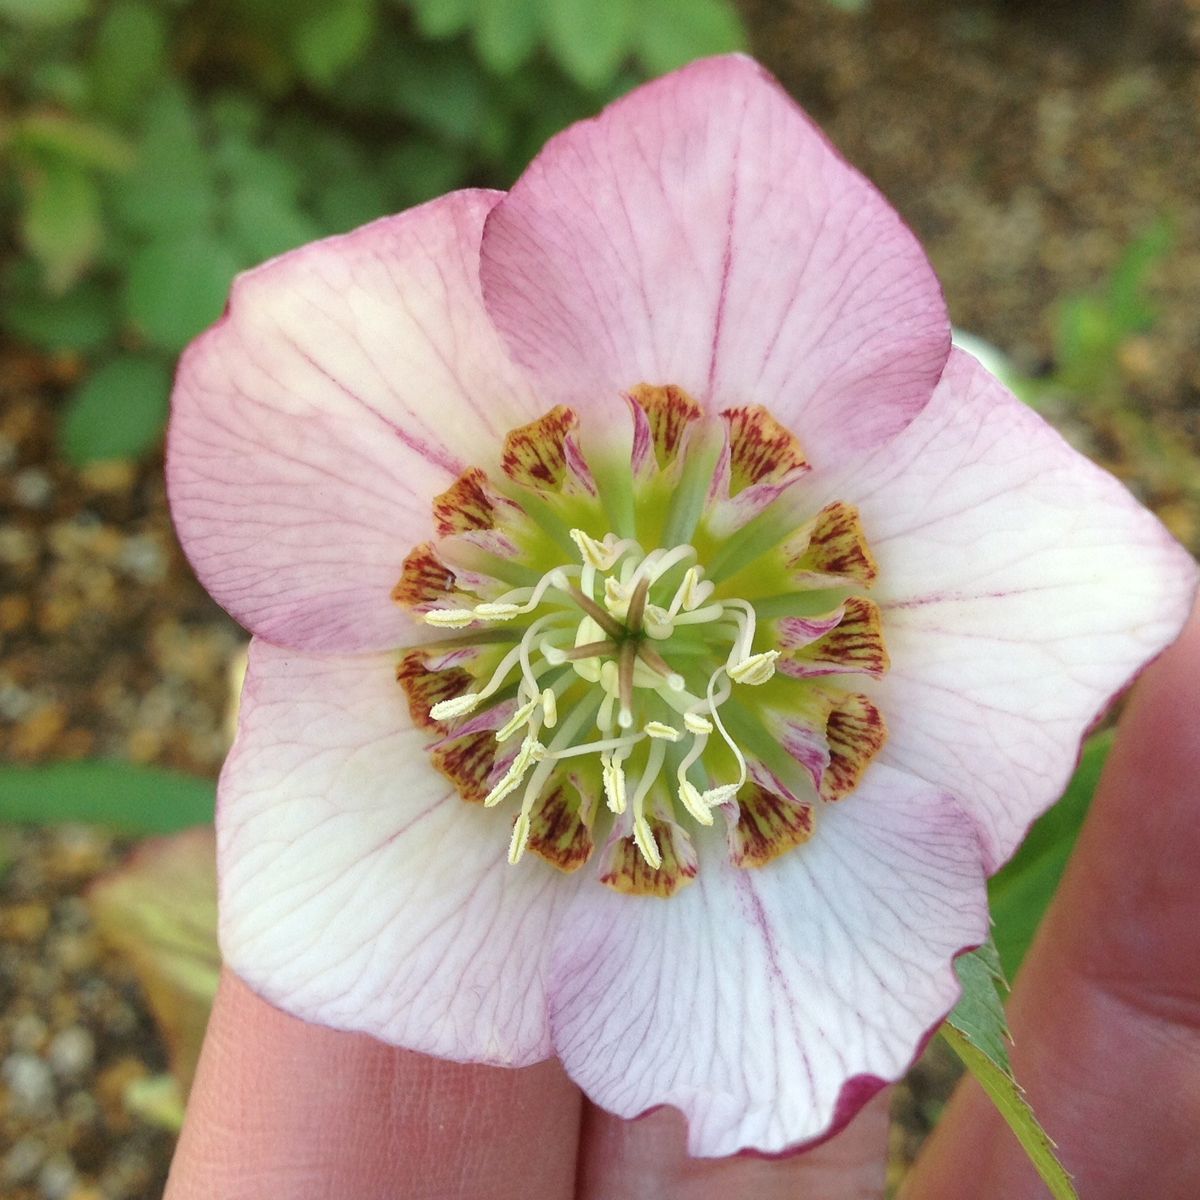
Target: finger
[[289, 1111], [647, 1159], [1106, 1013]]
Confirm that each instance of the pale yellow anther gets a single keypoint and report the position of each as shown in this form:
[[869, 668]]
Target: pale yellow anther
[[695, 723], [449, 618], [458, 706], [689, 590], [520, 838], [715, 797], [755, 670], [613, 775], [693, 801], [660, 729], [598, 554], [643, 836], [531, 751], [519, 718], [549, 708], [497, 612]]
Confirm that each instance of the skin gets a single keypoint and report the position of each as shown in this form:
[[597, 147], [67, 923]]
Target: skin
[[1105, 1017]]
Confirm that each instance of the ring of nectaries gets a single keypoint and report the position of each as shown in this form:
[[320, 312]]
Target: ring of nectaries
[[634, 640]]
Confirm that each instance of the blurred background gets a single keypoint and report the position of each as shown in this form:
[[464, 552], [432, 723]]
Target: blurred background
[[1047, 152]]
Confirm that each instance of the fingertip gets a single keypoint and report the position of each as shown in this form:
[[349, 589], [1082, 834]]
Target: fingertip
[[285, 1109]]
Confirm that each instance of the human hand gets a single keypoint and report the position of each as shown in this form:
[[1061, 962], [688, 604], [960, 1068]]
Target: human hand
[[1105, 1017]]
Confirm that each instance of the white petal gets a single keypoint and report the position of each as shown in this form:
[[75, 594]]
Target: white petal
[[1021, 588], [357, 890], [768, 1004]]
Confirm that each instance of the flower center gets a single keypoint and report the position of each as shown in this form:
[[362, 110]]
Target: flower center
[[639, 637]]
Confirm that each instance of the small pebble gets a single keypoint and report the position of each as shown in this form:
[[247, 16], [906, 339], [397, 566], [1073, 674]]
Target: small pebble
[[30, 1084], [58, 1177], [21, 1163], [32, 488], [72, 1052], [29, 1032], [143, 557]]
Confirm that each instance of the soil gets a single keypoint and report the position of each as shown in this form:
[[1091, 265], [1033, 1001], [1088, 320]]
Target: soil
[[1027, 144]]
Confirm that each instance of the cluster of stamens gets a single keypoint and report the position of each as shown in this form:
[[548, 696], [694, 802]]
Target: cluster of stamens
[[597, 624], [665, 629]]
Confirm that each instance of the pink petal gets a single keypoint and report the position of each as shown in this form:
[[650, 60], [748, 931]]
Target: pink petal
[[348, 383], [702, 232], [357, 890], [1021, 587], [768, 1004]]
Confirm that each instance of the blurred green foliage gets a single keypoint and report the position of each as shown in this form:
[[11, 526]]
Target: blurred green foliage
[[118, 795], [150, 149], [1020, 893], [1091, 328]]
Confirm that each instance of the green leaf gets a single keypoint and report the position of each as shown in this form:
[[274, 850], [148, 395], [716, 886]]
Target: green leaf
[[117, 795], [588, 39], [117, 412], [83, 319], [440, 19], [442, 90], [42, 14], [979, 1014], [264, 225], [76, 142], [129, 54], [506, 33], [325, 40], [170, 190], [977, 1032], [669, 34], [1021, 892], [178, 286], [1131, 311], [419, 170], [61, 222]]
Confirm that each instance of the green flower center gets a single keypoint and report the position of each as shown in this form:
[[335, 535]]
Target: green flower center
[[637, 639]]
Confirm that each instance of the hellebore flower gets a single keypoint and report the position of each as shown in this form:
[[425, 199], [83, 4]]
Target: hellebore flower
[[661, 632]]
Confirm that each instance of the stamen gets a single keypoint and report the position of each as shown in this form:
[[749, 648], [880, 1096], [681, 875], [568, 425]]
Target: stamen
[[693, 802], [645, 842], [755, 670], [531, 751], [644, 838], [497, 612], [457, 706], [613, 776], [713, 706], [519, 718], [520, 838], [549, 708], [695, 723], [659, 729], [449, 618]]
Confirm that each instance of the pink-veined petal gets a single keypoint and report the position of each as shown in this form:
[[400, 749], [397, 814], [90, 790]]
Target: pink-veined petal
[[1021, 588], [768, 1004], [348, 383], [702, 232], [357, 889]]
